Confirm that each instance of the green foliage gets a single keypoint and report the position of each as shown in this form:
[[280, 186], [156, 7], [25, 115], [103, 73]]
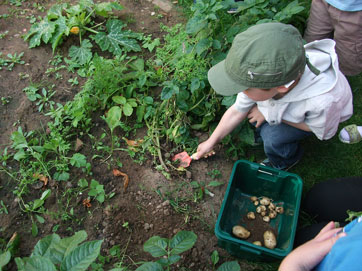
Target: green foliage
[[11, 60], [55, 253], [226, 266], [168, 249]]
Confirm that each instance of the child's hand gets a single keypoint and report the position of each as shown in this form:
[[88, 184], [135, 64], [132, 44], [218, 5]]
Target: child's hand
[[255, 115], [308, 255], [205, 149]]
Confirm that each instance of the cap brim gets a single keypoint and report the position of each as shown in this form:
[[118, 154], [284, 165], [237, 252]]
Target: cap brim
[[221, 82]]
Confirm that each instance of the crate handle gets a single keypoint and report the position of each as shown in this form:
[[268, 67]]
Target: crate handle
[[249, 249]]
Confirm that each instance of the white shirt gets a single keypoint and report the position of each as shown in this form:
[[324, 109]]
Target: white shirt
[[320, 101]]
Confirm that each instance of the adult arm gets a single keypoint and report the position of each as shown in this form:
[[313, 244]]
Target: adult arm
[[231, 118]]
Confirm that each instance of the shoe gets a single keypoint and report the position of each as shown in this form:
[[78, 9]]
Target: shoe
[[351, 134], [266, 162]]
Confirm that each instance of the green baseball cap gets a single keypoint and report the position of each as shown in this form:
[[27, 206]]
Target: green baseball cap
[[264, 56]]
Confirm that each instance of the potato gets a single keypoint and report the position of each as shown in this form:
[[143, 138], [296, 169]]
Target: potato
[[257, 243], [253, 198], [250, 215], [270, 240], [279, 210], [241, 232], [265, 201]]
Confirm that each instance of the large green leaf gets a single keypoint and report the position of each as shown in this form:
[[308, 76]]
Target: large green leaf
[[156, 246], [66, 245], [38, 263], [82, 54], [41, 31], [117, 39], [103, 9], [182, 241], [113, 117], [81, 257], [55, 11], [127, 109], [229, 266], [4, 259], [60, 30], [150, 266]]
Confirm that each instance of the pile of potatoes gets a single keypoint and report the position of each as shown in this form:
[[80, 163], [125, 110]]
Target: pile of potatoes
[[268, 210]]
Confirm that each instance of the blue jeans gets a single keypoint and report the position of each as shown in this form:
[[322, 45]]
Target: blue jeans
[[281, 143]]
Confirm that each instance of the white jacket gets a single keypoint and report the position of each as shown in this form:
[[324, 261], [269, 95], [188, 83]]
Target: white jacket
[[320, 101]]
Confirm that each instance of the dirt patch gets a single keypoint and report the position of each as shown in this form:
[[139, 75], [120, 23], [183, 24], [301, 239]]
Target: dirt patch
[[150, 205]]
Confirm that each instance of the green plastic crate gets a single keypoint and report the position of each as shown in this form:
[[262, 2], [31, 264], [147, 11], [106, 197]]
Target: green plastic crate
[[250, 179]]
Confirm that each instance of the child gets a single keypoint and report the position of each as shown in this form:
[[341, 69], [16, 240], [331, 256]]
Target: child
[[288, 90], [340, 20]]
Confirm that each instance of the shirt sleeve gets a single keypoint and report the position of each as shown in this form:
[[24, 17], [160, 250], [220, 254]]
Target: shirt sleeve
[[243, 103]]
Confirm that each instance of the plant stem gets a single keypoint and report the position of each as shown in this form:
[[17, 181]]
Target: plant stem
[[90, 30]]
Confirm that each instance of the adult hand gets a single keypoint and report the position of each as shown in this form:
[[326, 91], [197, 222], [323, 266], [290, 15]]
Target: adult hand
[[255, 115], [308, 255], [205, 149]]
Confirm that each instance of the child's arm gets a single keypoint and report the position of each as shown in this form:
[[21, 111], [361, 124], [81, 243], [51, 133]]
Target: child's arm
[[231, 118]]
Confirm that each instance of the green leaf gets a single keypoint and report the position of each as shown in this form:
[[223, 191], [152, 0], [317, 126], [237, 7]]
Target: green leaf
[[78, 160], [117, 39], [81, 257], [4, 259], [55, 11], [169, 90], [215, 183], [40, 219], [195, 24], [119, 100], [113, 117], [60, 29], [156, 246], [215, 257], [229, 266], [34, 229], [203, 45], [41, 31], [169, 261], [182, 241], [66, 245], [150, 266], [82, 54], [127, 110], [103, 9], [42, 248], [38, 263]]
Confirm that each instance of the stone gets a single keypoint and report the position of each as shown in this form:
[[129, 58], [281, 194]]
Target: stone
[[163, 4]]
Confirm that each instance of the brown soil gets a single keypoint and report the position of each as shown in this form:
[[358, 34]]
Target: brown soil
[[132, 215]]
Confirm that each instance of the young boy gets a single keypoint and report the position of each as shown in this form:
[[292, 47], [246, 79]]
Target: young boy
[[288, 90]]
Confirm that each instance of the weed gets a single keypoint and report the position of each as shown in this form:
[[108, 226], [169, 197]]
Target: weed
[[11, 60], [3, 34], [73, 81], [233, 265], [215, 174], [3, 208], [5, 100], [23, 76], [168, 249]]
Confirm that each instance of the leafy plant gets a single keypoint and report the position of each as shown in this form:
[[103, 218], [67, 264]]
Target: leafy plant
[[63, 20], [55, 253], [226, 266], [96, 190], [168, 249], [9, 250], [11, 60]]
